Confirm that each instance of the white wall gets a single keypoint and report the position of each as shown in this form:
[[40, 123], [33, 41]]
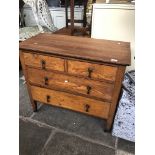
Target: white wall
[[115, 22]]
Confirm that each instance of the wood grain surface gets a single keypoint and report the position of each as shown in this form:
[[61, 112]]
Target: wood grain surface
[[52, 63], [24, 68], [116, 93], [81, 74], [114, 52], [89, 88], [98, 71], [70, 101]]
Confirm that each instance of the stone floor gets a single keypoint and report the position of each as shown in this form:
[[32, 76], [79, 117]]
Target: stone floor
[[56, 131]]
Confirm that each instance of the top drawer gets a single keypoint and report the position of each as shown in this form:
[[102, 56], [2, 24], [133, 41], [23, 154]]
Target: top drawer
[[94, 71], [44, 62]]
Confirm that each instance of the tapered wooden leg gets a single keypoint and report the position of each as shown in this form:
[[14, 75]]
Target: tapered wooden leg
[[34, 106], [108, 126]]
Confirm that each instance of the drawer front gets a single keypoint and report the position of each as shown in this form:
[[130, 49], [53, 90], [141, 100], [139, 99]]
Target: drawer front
[[69, 101], [89, 88], [89, 70], [44, 62]]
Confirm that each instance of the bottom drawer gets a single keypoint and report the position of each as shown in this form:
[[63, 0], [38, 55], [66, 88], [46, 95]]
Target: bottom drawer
[[69, 101]]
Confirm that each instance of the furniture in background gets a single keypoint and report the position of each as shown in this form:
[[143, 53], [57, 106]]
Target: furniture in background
[[42, 17], [115, 22], [80, 74], [72, 29], [115, 1], [57, 14], [21, 21], [72, 20], [41, 14]]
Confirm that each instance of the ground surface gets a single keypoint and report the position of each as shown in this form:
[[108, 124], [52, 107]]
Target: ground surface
[[56, 131]]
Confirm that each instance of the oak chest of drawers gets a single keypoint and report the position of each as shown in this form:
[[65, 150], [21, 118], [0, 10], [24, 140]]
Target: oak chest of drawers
[[80, 74]]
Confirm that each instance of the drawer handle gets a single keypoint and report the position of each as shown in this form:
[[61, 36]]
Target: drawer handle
[[87, 106], [43, 63], [88, 89], [46, 80], [90, 70], [48, 98]]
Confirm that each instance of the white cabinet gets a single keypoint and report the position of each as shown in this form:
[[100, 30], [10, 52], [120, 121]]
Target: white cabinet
[[29, 17], [115, 22], [58, 16], [58, 19]]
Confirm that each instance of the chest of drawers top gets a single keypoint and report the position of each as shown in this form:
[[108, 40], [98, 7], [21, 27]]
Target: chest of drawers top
[[80, 74], [94, 50]]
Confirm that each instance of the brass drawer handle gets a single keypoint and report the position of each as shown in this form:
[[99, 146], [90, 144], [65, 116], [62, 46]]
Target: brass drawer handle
[[46, 80], [90, 70], [48, 98], [88, 89], [43, 63], [87, 107]]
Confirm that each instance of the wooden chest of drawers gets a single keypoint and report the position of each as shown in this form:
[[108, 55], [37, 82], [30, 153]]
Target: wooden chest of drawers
[[81, 74]]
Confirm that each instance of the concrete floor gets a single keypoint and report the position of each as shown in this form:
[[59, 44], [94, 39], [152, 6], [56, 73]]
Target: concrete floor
[[56, 131]]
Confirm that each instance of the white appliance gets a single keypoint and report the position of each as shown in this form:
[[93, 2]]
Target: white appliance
[[115, 22], [57, 13]]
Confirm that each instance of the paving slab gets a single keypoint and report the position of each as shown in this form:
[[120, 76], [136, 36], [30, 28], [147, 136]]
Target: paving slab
[[78, 123], [120, 152], [32, 138], [126, 146], [63, 144]]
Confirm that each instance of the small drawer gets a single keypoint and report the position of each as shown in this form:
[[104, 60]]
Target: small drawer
[[94, 71], [44, 62], [89, 88], [69, 101]]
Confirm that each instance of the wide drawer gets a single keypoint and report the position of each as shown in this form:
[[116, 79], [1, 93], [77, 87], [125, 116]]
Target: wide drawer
[[44, 62], [69, 101], [90, 70], [90, 88]]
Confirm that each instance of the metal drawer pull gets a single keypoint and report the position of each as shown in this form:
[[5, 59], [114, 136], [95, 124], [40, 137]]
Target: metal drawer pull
[[46, 80], [43, 63], [48, 98], [88, 89], [87, 106], [90, 70]]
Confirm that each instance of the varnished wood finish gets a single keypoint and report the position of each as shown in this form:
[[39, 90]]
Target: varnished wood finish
[[97, 71], [70, 101], [66, 12], [116, 93], [77, 31], [101, 90], [52, 63], [72, 16], [76, 73], [96, 50], [33, 103]]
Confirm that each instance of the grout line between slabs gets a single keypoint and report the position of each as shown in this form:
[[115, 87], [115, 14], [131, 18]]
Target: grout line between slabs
[[85, 138], [41, 124], [116, 145], [47, 141]]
